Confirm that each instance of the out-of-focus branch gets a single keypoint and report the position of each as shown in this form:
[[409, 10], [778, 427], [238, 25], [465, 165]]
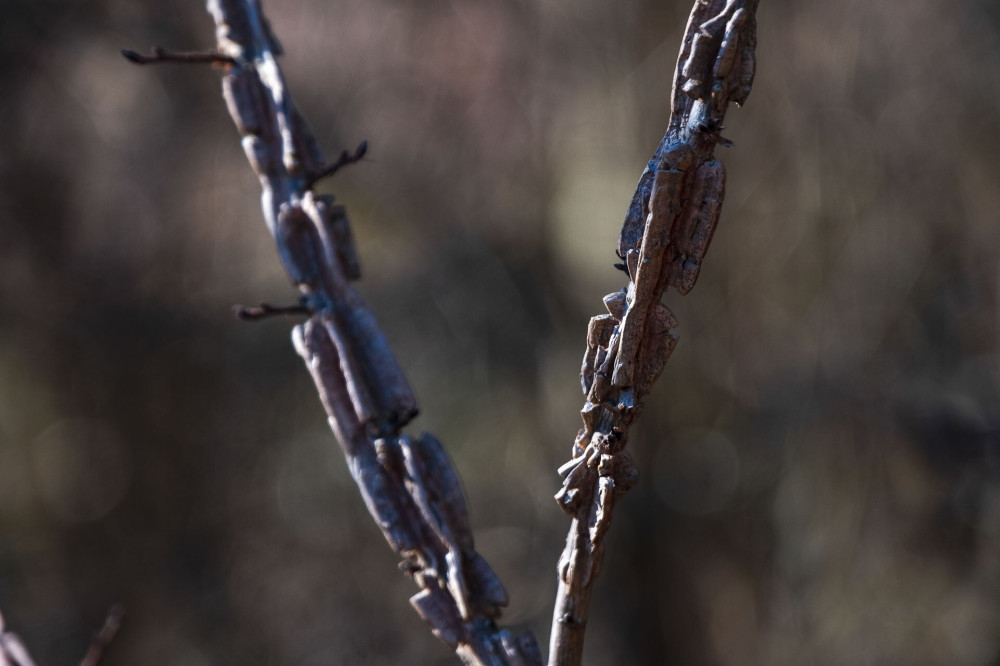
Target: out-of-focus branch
[[103, 638], [667, 230], [408, 483], [12, 650]]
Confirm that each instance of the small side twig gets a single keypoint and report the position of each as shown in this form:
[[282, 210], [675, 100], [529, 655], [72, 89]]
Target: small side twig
[[161, 55], [103, 638], [264, 311], [343, 160]]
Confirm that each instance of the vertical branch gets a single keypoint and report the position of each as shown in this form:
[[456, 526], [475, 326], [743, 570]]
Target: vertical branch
[[667, 230], [407, 483]]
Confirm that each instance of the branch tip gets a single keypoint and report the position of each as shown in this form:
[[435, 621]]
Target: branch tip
[[264, 311]]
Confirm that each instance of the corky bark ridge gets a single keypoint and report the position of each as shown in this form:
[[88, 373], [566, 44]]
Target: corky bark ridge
[[666, 233]]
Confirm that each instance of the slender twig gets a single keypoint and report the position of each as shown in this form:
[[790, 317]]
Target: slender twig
[[103, 638], [666, 234], [12, 650], [264, 311], [162, 55], [343, 160]]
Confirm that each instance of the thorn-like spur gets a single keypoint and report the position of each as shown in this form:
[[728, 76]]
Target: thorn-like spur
[[343, 160], [264, 311], [162, 55], [714, 129], [621, 266]]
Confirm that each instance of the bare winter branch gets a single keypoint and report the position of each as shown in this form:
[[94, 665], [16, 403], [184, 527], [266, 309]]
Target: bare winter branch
[[667, 230], [408, 483]]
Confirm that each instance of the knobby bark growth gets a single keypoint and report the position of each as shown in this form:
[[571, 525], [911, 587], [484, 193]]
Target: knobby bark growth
[[408, 482]]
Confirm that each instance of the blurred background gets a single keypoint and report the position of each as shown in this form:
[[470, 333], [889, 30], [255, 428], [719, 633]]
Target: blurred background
[[820, 460]]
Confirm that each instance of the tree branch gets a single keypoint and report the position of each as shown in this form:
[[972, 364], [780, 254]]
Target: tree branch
[[666, 232], [408, 483]]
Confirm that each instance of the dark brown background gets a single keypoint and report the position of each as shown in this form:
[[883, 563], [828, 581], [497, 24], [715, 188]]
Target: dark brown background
[[821, 458]]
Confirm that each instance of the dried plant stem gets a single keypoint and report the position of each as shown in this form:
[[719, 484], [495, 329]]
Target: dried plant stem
[[408, 483], [666, 233]]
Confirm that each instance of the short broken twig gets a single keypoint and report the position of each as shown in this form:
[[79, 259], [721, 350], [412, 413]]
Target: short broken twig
[[162, 55], [264, 311], [12, 650], [343, 160]]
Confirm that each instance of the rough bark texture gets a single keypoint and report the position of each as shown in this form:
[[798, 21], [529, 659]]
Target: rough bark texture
[[408, 483], [667, 230]]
